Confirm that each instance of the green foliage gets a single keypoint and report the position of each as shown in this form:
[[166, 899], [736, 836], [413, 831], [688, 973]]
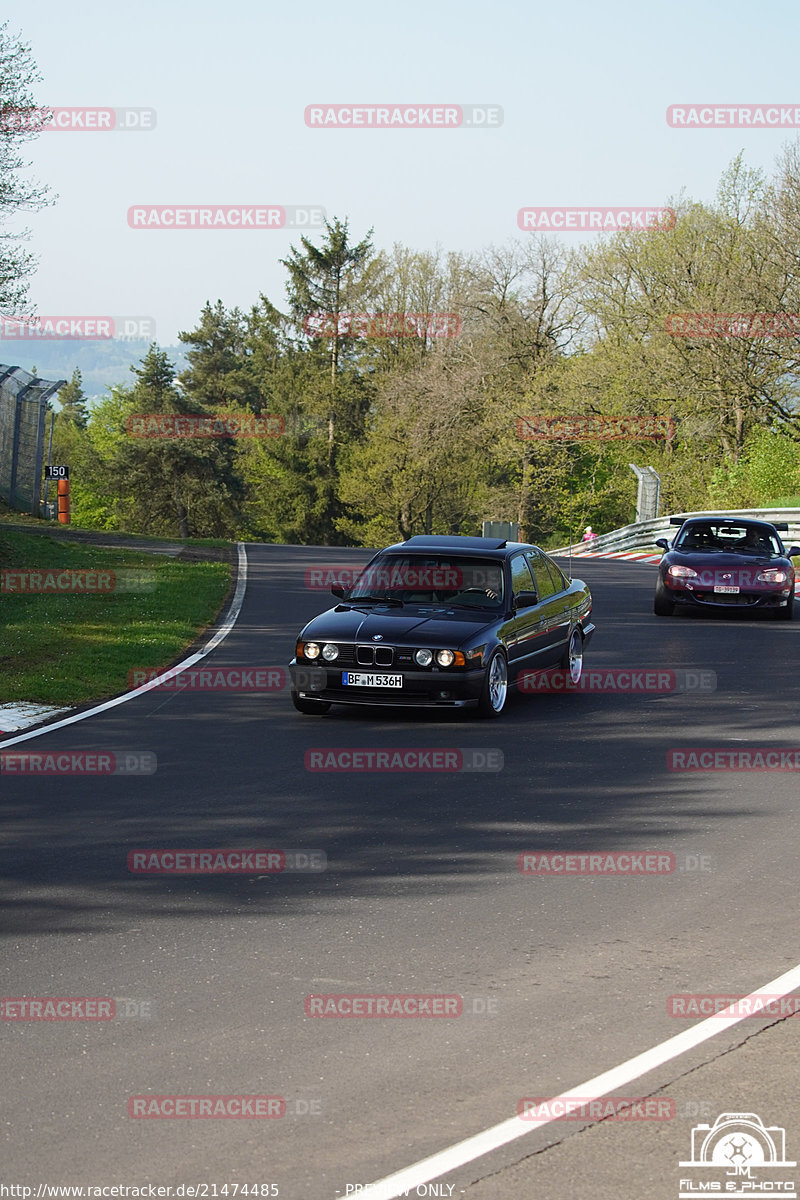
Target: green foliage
[[72, 399], [20, 119], [384, 437], [184, 486], [768, 468]]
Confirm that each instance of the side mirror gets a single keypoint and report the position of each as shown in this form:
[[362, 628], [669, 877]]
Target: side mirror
[[526, 599], [663, 543], [338, 591], [793, 552]]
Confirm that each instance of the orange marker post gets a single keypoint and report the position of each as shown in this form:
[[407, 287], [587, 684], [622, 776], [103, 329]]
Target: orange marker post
[[63, 502]]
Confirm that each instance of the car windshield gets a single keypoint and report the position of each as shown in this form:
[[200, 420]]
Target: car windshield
[[712, 538], [452, 580]]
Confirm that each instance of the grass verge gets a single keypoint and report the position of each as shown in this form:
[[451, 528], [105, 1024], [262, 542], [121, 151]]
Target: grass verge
[[70, 648]]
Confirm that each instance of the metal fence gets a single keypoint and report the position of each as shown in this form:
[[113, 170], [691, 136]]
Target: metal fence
[[23, 408], [642, 536]]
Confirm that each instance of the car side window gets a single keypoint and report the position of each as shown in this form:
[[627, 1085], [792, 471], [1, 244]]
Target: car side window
[[521, 580], [544, 584], [559, 582]]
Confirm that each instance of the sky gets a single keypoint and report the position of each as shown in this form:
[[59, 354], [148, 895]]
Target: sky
[[583, 88]]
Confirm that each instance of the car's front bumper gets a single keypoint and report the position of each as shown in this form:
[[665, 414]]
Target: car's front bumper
[[721, 600], [426, 689]]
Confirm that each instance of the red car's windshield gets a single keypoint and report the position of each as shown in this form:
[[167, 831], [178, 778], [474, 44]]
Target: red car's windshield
[[708, 537]]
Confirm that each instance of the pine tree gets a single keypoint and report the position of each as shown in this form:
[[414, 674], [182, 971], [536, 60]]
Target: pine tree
[[72, 399], [330, 280], [217, 374], [187, 486]]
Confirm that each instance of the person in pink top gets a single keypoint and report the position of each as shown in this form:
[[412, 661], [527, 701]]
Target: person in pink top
[[588, 534]]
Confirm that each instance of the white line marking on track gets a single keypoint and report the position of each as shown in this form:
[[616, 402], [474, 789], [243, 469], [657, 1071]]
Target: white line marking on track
[[461, 1153], [223, 631]]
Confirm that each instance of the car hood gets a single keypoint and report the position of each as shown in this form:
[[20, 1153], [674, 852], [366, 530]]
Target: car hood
[[409, 626]]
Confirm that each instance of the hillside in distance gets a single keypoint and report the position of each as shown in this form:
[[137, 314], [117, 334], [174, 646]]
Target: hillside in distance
[[103, 363]]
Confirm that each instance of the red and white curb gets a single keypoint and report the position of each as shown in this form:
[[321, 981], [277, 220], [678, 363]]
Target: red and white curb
[[629, 555]]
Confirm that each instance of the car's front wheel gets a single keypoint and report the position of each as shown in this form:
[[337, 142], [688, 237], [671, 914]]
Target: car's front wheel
[[662, 605], [785, 613], [573, 656], [495, 686], [310, 708]]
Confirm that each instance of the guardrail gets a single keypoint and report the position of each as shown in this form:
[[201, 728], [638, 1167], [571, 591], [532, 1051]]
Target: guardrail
[[642, 535]]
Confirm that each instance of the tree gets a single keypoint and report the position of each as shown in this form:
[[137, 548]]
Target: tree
[[409, 282], [72, 399], [331, 279], [178, 485], [217, 374], [715, 260], [20, 120], [425, 462]]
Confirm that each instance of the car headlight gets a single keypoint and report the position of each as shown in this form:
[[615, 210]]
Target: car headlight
[[330, 652], [424, 657], [678, 572], [311, 650], [445, 658], [775, 576]]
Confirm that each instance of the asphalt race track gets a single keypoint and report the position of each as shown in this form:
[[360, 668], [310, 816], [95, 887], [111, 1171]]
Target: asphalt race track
[[561, 978]]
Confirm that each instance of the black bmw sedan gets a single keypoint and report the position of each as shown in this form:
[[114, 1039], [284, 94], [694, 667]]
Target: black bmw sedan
[[721, 563], [443, 622]]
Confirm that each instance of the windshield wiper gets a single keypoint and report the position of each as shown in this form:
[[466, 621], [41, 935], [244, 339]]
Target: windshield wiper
[[375, 600]]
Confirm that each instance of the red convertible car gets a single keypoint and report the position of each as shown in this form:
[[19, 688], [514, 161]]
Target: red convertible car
[[723, 563]]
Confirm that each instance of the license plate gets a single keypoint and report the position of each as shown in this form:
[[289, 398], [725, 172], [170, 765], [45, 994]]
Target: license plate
[[352, 679], [729, 590]]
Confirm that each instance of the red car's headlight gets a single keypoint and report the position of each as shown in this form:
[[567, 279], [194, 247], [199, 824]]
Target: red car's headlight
[[678, 572], [774, 576]]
